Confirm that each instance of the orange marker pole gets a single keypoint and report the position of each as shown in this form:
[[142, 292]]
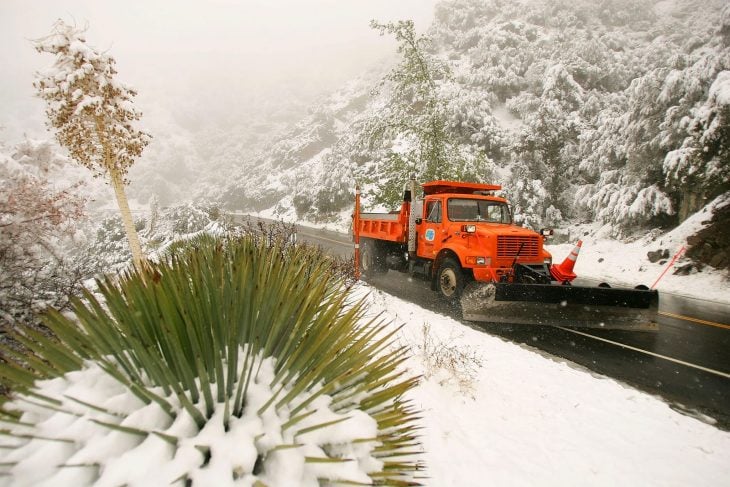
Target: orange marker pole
[[356, 231], [671, 263]]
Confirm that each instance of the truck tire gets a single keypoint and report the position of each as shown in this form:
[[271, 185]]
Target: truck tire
[[450, 280], [372, 259]]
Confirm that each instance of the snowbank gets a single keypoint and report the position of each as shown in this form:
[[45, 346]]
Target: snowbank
[[627, 264], [531, 420]]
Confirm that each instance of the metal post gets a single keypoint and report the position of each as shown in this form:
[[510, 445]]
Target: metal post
[[412, 219], [356, 232]]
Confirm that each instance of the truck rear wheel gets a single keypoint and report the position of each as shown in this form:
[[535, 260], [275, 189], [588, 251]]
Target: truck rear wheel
[[372, 259], [450, 280]]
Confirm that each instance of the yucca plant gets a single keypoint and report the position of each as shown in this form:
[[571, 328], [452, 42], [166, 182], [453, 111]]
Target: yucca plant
[[232, 362]]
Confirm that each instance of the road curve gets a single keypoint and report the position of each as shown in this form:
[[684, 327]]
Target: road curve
[[685, 362]]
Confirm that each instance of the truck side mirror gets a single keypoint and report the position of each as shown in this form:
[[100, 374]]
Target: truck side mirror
[[469, 228], [519, 220]]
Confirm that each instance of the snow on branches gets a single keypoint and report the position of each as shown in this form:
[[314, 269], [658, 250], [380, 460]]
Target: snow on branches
[[702, 160], [37, 221], [90, 110], [32, 210], [92, 113]]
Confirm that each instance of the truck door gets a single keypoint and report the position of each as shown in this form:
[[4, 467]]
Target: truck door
[[430, 233]]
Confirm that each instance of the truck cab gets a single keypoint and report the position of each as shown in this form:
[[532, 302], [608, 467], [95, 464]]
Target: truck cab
[[467, 223]]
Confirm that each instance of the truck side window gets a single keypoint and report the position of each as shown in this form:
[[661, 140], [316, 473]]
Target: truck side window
[[433, 208]]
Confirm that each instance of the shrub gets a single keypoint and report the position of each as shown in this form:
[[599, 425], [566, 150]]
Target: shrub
[[230, 360], [455, 364]]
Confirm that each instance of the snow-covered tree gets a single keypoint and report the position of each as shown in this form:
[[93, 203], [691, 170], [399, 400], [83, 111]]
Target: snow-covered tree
[[92, 113], [700, 168], [413, 128], [470, 120], [547, 144], [37, 225]]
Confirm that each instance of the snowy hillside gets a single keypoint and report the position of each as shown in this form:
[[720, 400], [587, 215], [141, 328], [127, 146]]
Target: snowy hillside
[[612, 112], [296, 165]]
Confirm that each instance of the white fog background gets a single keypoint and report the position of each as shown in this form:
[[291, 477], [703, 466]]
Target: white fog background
[[203, 63]]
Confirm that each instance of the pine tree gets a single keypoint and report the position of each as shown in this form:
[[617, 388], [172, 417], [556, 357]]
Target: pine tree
[[92, 113], [547, 144], [700, 169]]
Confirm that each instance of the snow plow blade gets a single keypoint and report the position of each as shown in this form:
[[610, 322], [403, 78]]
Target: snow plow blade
[[556, 305]]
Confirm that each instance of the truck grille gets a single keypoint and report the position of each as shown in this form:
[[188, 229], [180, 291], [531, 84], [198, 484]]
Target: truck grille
[[509, 245]]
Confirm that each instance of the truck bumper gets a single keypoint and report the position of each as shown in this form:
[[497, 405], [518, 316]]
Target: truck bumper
[[485, 274]]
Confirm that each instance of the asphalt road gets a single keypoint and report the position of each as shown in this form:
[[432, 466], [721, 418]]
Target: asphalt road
[[686, 362]]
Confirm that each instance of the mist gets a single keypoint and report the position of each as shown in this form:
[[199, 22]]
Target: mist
[[203, 63]]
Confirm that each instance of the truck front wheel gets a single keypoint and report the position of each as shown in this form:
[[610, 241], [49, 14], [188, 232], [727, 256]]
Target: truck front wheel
[[450, 280]]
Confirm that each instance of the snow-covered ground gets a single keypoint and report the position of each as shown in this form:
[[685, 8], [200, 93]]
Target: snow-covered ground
[[615, 262], [498, 413], [493, 413]]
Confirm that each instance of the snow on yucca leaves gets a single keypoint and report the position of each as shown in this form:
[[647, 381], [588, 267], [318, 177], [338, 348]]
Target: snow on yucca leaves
[[232, 362]]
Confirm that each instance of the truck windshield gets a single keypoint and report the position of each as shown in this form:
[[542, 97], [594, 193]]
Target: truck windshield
[[469, 210]]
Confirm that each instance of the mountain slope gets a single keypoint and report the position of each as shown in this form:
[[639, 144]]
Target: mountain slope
[[613, 111]]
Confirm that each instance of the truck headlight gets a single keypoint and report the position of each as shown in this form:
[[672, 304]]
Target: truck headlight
[[481, 260]]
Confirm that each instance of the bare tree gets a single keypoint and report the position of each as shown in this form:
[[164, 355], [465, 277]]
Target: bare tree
[[92, 113], [37, 225]]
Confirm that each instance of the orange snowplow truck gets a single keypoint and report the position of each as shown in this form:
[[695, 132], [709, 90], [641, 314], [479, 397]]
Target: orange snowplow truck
[[461, 237]]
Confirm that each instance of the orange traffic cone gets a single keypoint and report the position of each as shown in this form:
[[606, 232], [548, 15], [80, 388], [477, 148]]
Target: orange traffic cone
[[564, 272]]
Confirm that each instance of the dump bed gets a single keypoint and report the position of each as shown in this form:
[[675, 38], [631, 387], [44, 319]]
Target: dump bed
[[392, 227]]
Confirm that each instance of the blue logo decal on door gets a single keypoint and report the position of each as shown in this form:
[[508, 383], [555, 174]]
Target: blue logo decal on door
[[430, 234]]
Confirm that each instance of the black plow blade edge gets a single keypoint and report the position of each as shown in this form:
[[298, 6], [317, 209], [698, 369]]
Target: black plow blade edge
[[550, 304]]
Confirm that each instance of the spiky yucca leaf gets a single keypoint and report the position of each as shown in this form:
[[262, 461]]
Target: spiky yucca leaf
[[231, 359]]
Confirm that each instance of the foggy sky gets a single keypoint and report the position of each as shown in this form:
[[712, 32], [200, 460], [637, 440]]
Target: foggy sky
[[212, 54]]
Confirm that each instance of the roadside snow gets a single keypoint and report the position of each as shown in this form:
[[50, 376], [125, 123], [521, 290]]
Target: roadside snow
[[530, 420], [494, 413], [619, 263]]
